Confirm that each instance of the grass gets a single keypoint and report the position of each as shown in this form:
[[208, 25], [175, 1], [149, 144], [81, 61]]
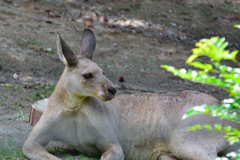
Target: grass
[[12, 106], [62, 150], [9, 149], [105, 64], [56, 66], [49, 53], [197, 6], [43, 91], [215, 11], [20, 103], [7, 95], [41, 49], [228, 8], [25, 44], [80, 157], [69, 153], [18, 88], [136, 6], [150, 61], [26, 59]]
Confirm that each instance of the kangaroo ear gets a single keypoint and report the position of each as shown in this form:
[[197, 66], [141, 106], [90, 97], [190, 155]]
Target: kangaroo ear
[[88, 43], [65, 53]]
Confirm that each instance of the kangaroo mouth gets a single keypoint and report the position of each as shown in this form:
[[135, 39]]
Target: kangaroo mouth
[[106, 97], [107, 93]]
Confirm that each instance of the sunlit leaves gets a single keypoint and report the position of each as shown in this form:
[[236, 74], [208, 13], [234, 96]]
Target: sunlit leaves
[[208, 47], [225, 110], [228, 78], [237, 26], [196, 76], [194, 128], [216, 127], [205, 67], [232, 155], [216, 74], [232, 134]]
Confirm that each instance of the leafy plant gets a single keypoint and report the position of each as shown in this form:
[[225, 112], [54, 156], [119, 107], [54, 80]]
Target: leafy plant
[[216, 74]]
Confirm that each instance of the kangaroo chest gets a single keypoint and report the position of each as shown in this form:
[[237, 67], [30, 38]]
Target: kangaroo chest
[[85, 134]]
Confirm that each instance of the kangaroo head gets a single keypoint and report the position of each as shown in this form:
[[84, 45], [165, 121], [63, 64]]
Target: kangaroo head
[[81, 75]]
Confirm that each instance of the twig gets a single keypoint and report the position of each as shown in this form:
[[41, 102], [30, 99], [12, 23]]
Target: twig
[[7, 85], [10, 118], [23, 118], [19, 128]]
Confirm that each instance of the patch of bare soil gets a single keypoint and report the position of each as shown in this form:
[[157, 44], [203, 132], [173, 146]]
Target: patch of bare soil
[[134, 37]]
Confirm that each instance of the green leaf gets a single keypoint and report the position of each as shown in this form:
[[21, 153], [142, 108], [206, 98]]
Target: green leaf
[[191, 58], [204, 41], [219, 42], [234, 53], [218, 127], [207, 126], [237, 26], [194, 128], [227, 128], [223, 45], [208, 67]]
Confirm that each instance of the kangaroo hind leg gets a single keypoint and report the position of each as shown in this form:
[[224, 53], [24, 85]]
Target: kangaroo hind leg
[[161, 152]]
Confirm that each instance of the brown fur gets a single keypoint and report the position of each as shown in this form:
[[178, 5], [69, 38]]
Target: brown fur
[[81, 114]]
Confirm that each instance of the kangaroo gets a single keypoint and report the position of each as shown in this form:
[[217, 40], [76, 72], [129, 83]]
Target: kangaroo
[[83, 113]]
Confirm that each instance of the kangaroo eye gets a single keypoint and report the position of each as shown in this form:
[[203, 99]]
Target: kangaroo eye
[[87, 76]]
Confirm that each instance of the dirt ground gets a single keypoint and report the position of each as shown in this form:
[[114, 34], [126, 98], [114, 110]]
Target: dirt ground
[[134, 37]]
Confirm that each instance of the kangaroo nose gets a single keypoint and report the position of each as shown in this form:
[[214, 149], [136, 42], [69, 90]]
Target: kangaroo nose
[[112, 90]]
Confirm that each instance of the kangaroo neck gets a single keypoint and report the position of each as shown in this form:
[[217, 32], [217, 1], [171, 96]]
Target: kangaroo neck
[[73, 102], [69, 100]]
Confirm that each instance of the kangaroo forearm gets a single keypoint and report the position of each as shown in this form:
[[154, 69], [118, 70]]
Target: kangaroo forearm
[[35, 151]]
